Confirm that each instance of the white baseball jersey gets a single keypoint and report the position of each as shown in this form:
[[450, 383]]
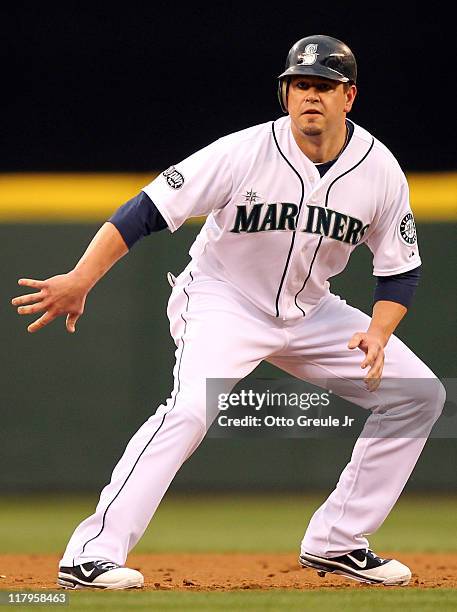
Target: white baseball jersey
[[276, 230]]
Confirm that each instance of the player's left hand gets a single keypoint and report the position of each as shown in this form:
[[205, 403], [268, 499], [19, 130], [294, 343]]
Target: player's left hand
[[373, 348]]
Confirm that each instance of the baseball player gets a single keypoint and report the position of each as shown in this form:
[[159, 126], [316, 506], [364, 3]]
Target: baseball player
[[286, 202]]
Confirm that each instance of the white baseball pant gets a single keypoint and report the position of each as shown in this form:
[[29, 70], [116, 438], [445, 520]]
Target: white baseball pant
[[220, 334]]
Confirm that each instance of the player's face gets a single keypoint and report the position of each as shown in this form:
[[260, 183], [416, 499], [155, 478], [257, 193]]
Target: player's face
[[317, 105]]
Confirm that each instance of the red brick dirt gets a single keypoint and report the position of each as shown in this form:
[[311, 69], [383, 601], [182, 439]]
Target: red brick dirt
[[225, 572]]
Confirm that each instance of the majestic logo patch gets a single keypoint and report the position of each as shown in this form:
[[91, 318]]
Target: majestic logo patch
[[309, 56], [174, 178], [407, 229]]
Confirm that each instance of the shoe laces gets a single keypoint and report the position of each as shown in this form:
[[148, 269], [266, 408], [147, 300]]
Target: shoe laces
[[106, 565], [374, 556]]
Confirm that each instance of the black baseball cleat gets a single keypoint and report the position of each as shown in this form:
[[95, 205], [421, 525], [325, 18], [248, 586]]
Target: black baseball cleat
[[99, 575], [362, 565]]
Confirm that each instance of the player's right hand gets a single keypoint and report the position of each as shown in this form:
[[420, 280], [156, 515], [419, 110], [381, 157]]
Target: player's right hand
[[64, 294]]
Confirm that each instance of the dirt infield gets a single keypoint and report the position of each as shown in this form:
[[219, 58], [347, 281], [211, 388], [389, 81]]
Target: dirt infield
[[225, 572]]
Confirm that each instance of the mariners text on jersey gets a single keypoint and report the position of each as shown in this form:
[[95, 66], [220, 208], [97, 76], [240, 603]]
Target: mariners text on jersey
[[283, 216]]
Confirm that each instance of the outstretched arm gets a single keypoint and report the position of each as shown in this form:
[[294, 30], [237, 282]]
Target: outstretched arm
[[66, 294]]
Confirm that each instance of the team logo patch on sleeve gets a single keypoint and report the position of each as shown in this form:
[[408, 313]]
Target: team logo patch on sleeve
[[173, 177], [407, 229]]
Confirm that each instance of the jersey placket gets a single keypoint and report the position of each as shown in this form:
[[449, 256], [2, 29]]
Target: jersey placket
[[309, 177], [291, 287]]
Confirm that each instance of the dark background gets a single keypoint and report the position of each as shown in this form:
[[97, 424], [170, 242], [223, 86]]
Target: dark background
[[94, 86]]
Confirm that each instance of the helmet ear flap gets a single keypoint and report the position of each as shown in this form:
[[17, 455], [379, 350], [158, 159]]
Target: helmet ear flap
[[283, 90]]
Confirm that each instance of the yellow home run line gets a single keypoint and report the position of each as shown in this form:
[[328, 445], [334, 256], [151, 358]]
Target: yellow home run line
[[84, 197]]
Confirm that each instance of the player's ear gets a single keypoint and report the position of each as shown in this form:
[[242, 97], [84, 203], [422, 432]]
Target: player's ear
[[350, 92]]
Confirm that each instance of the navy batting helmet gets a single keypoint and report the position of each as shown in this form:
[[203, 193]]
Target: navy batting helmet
[[318, 55]]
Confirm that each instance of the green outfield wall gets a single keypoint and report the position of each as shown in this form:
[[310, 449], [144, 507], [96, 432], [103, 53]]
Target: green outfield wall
[[69, 403]]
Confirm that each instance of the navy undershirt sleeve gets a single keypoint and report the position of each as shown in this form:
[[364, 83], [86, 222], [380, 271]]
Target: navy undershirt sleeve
[[137, 218], [398, 288]]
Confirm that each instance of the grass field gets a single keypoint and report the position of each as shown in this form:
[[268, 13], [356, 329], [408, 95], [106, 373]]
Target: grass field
[[235, 523], [344, 601], [224, 523]]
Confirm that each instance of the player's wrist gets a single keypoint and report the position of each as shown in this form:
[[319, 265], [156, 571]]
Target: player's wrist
[[380, 334], [83, 279]]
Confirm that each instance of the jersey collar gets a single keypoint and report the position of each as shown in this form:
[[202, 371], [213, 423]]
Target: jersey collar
[[354, 152]]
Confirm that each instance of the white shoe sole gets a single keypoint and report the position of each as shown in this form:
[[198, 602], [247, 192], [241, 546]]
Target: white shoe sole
[[68, 581]]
